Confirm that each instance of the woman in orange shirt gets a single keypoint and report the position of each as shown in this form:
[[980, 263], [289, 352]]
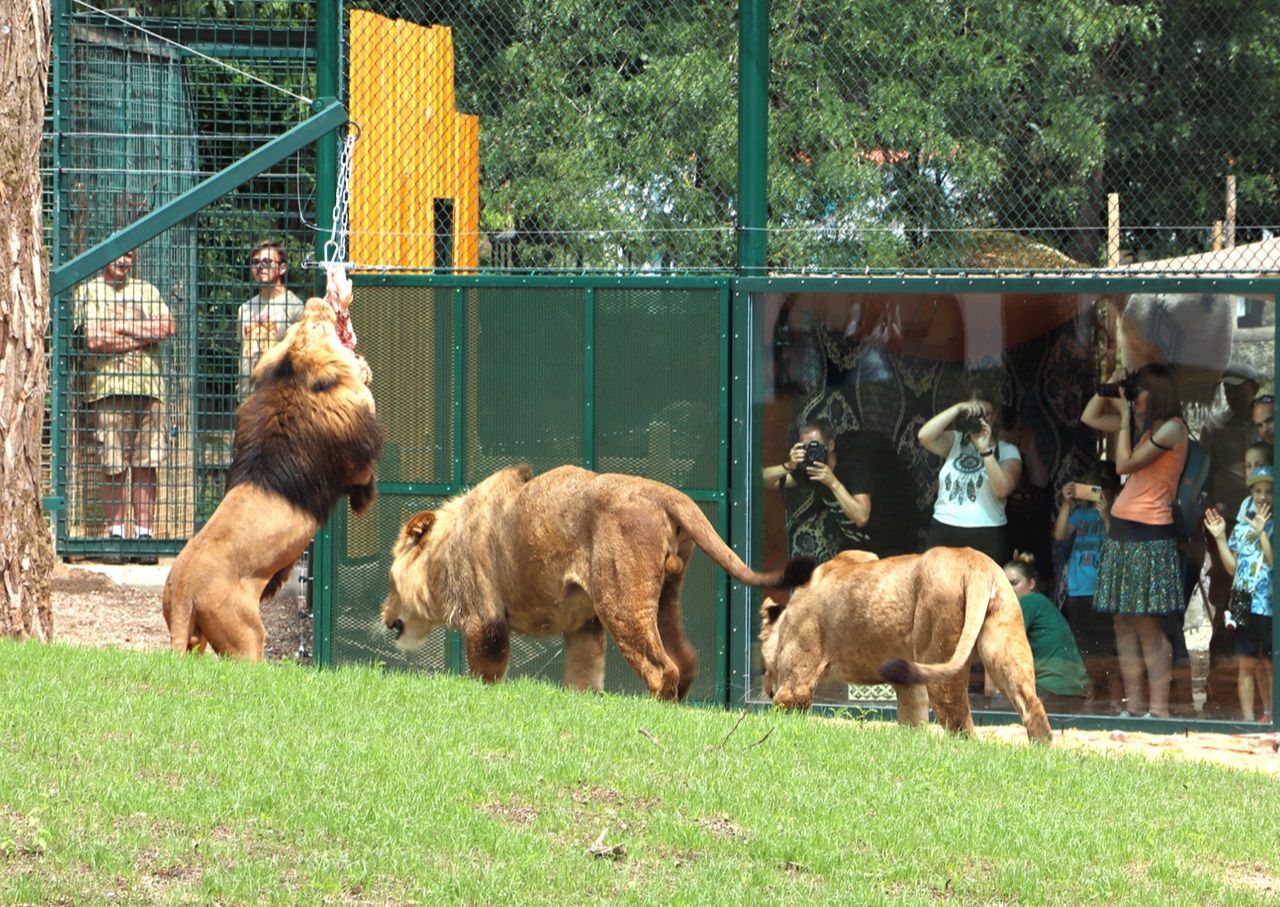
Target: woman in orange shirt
[[1139, 578]]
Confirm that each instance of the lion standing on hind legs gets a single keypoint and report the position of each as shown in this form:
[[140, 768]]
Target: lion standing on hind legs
[[866, 620], [571, 552], [305, 436]]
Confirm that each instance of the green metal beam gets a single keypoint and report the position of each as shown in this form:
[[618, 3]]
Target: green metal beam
[[753, 135], [328, 117], [328, 78]]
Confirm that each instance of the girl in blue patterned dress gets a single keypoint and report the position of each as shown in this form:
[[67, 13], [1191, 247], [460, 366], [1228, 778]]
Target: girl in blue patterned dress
[[1247, 556]]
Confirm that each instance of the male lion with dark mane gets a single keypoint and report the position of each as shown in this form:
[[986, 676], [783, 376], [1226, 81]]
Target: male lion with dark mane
[[571, 552], [866, 620], [305, 436]]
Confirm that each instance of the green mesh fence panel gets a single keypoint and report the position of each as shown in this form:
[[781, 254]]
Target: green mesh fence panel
[[902, 137], [523, 394], [657, 384], [1002, 136], [569, 136], [407, 334], [534, 367], [128, 150], [362, 548]]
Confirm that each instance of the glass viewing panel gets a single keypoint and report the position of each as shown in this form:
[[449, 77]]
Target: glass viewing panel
[[1126, 613]]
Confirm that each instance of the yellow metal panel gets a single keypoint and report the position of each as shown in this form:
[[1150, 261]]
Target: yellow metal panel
[[414, 147], [466, 212]]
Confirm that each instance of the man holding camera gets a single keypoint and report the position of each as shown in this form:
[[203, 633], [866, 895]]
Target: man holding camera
[[827, 494]]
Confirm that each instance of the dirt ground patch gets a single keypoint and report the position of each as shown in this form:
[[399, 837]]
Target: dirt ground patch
[[1256, 752], [90, 608]]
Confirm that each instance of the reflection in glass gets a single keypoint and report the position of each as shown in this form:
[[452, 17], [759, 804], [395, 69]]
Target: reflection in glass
[[865, 376]]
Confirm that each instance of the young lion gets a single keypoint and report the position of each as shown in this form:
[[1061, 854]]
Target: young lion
[[857, 611], [571, 552]]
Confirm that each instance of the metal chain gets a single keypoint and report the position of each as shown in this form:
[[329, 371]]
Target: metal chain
[[335, 250]]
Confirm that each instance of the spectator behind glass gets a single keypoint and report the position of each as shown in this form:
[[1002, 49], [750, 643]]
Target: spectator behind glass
[[828, 504], [1225, 436], [1227, 433], [977, 476], [124, 321], [1140, 576], [1029, 506], [1082, 520], [1248, 557], [1060, 675], [1264, 418], [267, 314]]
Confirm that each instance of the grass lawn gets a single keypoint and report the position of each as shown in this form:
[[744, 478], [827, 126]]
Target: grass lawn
[[143, 778]]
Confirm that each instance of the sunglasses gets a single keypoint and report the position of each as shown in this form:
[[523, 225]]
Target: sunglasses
[[264, 263]]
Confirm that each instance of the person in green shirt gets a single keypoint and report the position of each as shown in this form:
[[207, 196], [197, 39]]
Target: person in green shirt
[[126, 323], [1060, 675]]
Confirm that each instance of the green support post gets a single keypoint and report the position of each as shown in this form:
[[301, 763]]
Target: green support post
[[1275, 568], [328, 65], [742, 501], [589, 378], [753, 135], [753, 221], [60, 307]]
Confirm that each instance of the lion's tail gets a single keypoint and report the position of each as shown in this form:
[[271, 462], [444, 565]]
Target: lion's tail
[[979, 593], [690, 517]]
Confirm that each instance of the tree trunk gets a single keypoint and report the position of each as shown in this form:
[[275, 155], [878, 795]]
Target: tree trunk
[[26, 550]]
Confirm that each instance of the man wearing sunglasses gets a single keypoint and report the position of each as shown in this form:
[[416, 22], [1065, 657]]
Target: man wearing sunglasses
[[267, 314]]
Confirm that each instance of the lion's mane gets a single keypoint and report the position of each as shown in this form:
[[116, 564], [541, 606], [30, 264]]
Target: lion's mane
[[306, 429]]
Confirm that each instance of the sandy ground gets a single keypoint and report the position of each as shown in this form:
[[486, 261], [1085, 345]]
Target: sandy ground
[[102, 605], [98, 605]]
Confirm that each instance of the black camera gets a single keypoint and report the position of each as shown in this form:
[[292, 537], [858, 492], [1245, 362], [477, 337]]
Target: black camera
[[967, 423], [814, 452], [1128, 384]]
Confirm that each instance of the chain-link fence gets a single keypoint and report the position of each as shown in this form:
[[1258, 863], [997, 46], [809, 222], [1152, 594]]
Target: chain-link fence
[[152, 352], [910, 137]]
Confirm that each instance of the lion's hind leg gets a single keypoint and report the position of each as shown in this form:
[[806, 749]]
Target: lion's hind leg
[[913, 704], [1012, 667], [671, 622], [584, 657], [625, 590], [950, 701], [233, 626]]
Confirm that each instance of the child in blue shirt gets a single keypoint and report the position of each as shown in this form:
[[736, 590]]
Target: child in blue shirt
[[1083, 519], [1247, 556]]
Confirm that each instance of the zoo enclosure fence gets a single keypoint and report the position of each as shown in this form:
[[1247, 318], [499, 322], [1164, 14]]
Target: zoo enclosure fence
[[1082, 142]]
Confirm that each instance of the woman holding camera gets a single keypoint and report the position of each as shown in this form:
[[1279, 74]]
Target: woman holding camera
[[978, 474], [1139, 579], [828, 500]]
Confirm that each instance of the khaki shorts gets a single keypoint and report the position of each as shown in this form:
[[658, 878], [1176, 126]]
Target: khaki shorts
[[129, 430]]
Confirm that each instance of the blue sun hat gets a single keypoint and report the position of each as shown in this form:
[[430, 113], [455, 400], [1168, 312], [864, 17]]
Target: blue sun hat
[[1261, 474]]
